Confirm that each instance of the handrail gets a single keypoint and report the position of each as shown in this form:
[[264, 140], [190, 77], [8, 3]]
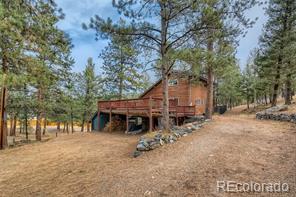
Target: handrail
[[145, 104]]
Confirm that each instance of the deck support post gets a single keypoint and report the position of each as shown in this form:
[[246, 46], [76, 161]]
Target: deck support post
[[99, 120], [150, 115], [110, 117], [127, 118], [177, 121]]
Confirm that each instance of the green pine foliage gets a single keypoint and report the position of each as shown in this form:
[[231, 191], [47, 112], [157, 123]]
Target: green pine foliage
[[276, 55]]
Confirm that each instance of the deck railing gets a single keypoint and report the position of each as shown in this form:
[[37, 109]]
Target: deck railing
[[154, 104]]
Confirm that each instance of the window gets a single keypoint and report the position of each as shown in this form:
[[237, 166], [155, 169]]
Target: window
[[139, 120], [197, 102], [174, 101], [173, 82]]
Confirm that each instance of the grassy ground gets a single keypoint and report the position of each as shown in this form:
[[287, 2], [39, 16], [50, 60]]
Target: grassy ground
[[233, 147]]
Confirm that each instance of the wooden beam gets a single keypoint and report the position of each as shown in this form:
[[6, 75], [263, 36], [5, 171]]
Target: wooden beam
[[150, 115], [99, 120], [127, 118]]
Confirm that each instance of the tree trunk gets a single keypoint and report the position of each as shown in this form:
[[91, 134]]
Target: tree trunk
[[165, 108], [67, 127], [21, 126], [164, 68], [87, 127], [276, 88], [3, 121], [11, 126], [210, 79], [39, 115], [72, 121], [72, 127], [64, 128], [121, 77], [59, 126], [210, 88], [15, 123], [288, 91], [82, 125], [26, 127], [44, 124]]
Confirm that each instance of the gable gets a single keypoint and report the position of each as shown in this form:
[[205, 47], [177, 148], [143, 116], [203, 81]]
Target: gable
[[178, 83]]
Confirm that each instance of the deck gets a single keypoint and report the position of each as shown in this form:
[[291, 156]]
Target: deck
[[145, 107]]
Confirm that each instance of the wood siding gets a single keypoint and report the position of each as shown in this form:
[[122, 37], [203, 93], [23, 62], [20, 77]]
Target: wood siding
[[180, 91], [199, 91], [186, 93]]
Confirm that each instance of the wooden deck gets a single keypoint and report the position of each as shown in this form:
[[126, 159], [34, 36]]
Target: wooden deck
[[145, 107]]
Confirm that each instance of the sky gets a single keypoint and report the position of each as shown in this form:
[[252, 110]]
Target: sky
[[85, 46]]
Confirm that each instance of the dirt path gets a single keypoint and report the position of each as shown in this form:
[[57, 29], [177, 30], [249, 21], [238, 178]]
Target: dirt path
[[232, 147]]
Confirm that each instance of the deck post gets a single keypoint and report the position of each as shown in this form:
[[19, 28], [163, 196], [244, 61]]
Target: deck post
[[98, 115], [99, 120], [127, 114], [177, 121], [110, 117], [150, 114]]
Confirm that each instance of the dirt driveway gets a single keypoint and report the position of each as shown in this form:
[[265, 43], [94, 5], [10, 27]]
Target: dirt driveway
[[231, 148]]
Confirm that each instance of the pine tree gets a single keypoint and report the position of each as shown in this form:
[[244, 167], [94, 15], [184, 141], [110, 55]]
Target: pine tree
[[11, 44], [161, 37], [219, 36], [276, 58], [88, 88], [121, 70]]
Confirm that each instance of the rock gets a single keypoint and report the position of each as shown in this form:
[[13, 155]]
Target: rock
[[195, 127], [148, 142], [154, 145], [137, 153], [142, 147], [145, 143], [276, 109], [269, 115]]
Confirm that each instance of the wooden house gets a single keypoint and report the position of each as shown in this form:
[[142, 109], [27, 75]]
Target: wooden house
[[187, 97]]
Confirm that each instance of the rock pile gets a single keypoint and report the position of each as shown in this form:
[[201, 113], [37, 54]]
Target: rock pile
[[270, 114], [154, 140], [278, 117]]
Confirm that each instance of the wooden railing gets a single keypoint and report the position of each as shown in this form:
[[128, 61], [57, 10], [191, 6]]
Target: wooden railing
[[154, 104]]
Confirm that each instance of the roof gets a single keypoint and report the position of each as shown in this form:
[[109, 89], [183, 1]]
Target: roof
[[179, 74]]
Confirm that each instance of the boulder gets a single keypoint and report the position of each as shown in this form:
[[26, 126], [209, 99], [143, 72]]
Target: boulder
[[142, 147], [154, 145]]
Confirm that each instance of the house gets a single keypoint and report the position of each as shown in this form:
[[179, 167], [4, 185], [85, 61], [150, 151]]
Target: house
[[187, 97]]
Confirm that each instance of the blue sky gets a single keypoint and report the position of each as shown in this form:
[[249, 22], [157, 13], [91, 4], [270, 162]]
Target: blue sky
[[85, 45]]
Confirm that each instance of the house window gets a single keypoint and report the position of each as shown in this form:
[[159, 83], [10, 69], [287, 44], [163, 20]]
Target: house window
[[173, 82], [174, 100], [197, 102]]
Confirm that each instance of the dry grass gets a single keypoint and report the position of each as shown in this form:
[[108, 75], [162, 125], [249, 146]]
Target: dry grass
[[242, 109], [232, 147]]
